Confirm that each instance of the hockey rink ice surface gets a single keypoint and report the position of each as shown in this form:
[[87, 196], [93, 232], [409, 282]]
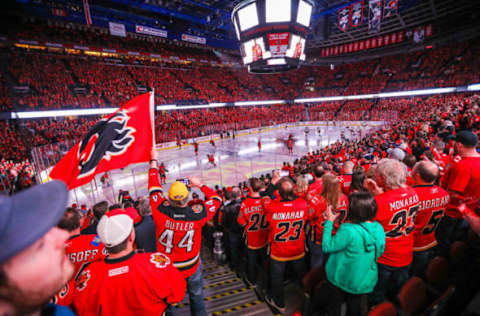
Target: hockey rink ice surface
[[236, 160]]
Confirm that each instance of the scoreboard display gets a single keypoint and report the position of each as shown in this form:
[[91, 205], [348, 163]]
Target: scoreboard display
[[272, 33]]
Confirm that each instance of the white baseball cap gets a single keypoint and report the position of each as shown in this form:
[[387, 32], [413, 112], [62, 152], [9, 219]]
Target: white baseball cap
[[113, 229]]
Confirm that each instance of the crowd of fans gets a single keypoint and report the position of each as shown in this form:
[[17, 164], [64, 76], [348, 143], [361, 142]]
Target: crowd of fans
[[86, 81], [391, 221]]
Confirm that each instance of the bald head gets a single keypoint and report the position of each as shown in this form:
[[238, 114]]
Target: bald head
[[425, 172]]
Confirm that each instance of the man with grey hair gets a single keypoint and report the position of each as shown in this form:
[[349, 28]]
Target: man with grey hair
[[397, 207], [346, 177]]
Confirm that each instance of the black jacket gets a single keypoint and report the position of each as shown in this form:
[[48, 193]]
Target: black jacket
[[230, 215]]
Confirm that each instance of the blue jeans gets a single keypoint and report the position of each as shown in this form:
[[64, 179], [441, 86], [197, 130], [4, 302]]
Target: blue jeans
[[195, 293], [385, 275], [277, 271], [316, 255], [256, 265], [420, 261]]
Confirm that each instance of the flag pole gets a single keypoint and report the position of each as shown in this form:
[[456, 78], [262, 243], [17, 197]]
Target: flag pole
[[152, 114]]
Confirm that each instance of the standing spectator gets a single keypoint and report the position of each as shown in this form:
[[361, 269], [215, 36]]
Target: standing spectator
[[286, 221], [397, 208], [346, 177], [126, 282], [99, 210], [80, 249], [145, 228], [252, 218], [33, 264], [233, 229], [179, 228], [462, 181], [354, 250], [433, 201], [333, 197]]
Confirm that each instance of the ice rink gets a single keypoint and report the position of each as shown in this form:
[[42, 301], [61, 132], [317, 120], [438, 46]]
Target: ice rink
[[236, 159]]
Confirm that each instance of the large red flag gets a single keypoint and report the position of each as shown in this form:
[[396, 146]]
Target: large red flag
[[122, 138]]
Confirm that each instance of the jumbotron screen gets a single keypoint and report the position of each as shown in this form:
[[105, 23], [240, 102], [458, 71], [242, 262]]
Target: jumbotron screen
[[272, 33]]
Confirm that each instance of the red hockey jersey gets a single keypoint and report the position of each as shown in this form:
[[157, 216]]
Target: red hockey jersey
[[286, 223], [82, 249], [462, 176], [252, 217], [433, 201], [179, 230], [319, 205], [137, 284], [396, 213]]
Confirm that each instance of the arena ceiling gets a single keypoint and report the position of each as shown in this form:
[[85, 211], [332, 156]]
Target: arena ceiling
[[212, 18]]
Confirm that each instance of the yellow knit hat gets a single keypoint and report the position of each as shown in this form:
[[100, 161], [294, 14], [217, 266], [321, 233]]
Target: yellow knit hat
[[178, 191]]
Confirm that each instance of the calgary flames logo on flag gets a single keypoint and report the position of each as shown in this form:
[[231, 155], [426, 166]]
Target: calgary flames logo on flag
[[107, 138], [122, 138]]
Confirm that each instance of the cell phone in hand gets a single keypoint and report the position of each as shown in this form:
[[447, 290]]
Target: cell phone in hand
[[185, 181]]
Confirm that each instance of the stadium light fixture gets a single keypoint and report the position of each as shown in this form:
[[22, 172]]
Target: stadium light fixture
[[416, 92], [474, 87], [243, 103], [61, 113]]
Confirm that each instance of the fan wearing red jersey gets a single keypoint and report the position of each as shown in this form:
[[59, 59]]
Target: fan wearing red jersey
[[286, 223], [433, 201], [80, 249], [316, 188], [397, 208], [126, 282], [346, 177], [462, 181], [331, 196], [179, 228], [252, 218]]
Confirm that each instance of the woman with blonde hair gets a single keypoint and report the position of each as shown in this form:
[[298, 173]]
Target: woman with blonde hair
[[301, 186], [333, 197]]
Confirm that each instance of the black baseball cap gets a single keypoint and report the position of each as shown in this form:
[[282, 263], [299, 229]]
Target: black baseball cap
[[27, 216], [467, 138]]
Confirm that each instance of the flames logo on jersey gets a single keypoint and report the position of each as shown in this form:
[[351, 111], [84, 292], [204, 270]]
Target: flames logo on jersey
[[109, 137], [159, 260], [197, 208], [82, 280]]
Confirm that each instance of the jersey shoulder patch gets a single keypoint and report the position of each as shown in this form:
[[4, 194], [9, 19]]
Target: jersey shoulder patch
[[197, 208], [159, 260]]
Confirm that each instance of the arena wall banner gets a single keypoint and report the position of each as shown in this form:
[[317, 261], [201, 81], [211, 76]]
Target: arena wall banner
[[117, 29], [150, 31], [390, 8], [86, 10], [194, 39], [374, 16], [356, 16], [343, 17]]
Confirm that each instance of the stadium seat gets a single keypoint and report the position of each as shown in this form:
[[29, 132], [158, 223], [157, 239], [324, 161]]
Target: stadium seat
[[436, 273], [438, 307], [383, 309], [412, 297]]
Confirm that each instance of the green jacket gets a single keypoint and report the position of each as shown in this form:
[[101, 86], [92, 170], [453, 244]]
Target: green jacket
[[354, 250]]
